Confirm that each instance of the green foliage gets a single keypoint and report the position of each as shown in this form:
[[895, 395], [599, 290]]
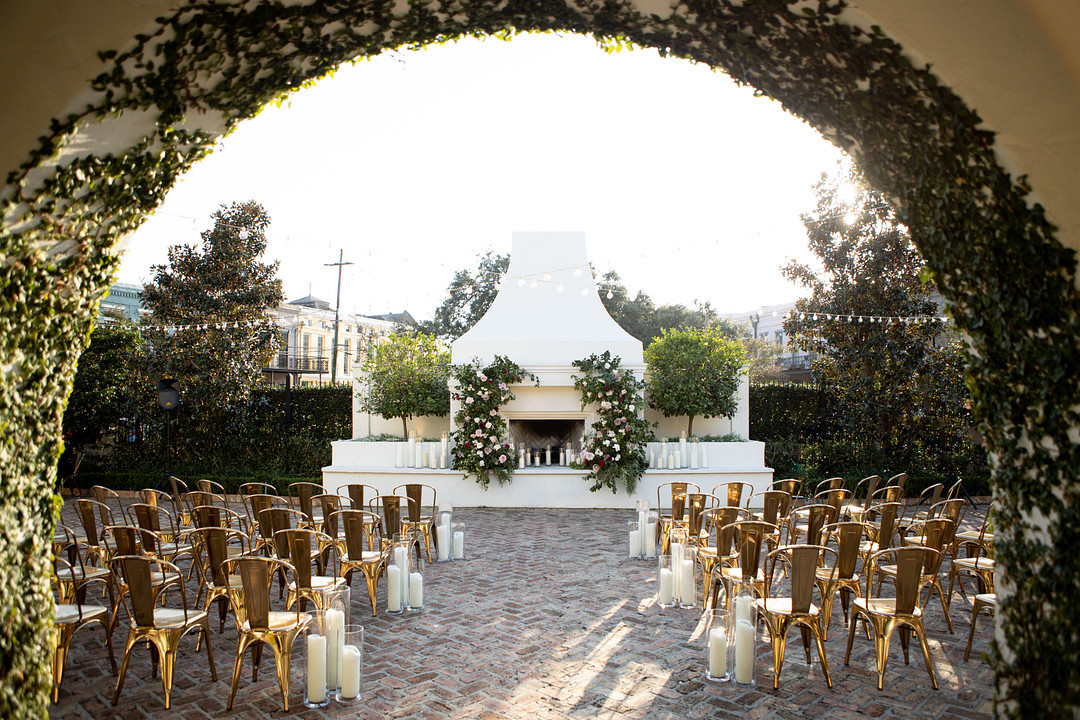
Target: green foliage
[[208, 325], [763, 359], [992, 250], [694, 371], [481, 441], [406, 377], [468, 297], [614, 449]]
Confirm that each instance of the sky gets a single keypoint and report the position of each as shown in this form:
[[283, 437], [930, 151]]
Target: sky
[[414, 163]]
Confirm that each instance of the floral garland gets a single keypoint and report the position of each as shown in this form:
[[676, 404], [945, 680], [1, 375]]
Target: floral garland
[[614, 448], [481, 445]]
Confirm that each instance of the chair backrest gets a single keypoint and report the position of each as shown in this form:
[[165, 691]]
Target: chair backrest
[[835, 498], [303, 492], [359, 494], [834, 483], [723, 519], [888, 493], [390, 507], [88, 512], [256, 503], [667, 493], [889, 516], [278, 520], [733, 493], [126, 540], [936, 534], [954, 490], [103, 495], [791, 486], [848, 536], [179, 489], [898, 480], [775, 505], [329, 504], [929, 497], [214, 516], [353, 522], [212, 543], [420, 496], [210, 486], [749, 540], [302, 550], [866, 488], [143, 577], [911, 565], [697, 504], [817, 515], [256, 574], [258, 488], [802, 562]]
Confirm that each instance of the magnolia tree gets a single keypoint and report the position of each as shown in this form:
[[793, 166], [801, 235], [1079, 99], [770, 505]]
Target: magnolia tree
[[694, 371], [406, 378]]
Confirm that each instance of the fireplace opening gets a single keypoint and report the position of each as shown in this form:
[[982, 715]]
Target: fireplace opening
[[538, 435]]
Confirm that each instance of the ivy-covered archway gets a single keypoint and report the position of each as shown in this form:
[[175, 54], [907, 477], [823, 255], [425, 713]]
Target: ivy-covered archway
[[159, 104]]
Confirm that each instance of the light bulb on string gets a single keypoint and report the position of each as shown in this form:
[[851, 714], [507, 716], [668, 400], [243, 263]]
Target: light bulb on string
[[547, 276], [532, 284], [560, 288], [610, 295], [577, 272], [521, 282]]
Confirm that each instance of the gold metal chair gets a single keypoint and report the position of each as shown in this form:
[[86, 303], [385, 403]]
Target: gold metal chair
[[808, 521], [885, 615], [218, 489], [883, 522], [389, 509], [791, 486], [218, 516], [979, 560], [262, 625], [696, 505], [929, 497], [213, 546], [303, 492], [841, 576], [72, 615], [358, 494], [369, 560], [257, 488], [836, 498], [163, 538], [735, 493], [103, 495], [859, 503], [89, 511], [888, 493], [719, 523], [422, 504], [162, 627], [834, 483], [303, 551], [262, 532], [672, 495], [179, 489], [775, 508], [932, 534], [750, 539], [781, 614], [983, 601]]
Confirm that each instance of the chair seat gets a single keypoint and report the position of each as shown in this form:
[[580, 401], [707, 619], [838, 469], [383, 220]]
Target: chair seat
[[987, 598], [782, 606], [320, 582], [175, 617], [831, 573], [74, 573], [974, 535], [883, 606], [277, 620], [68, 614], [368, 556], [159, 578], [980, 563], [734, 574]]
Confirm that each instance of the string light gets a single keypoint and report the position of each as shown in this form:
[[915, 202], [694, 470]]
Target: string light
[[875, 319]]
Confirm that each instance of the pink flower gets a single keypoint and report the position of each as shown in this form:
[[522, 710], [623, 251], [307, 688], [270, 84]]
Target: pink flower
[[502, 459]]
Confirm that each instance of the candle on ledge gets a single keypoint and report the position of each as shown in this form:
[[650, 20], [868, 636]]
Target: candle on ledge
[[717, 652], [528, 457], [410, 451], [419, 454], [682, 450], [427, 459], [521, 460], [536, 459], [694, 455], [547, 456], [652, 458], [680, 459], [350, 672], [442, 460], [562, 458], [671, 461], [445, 442], [316, 669], [399, 461], [703, 461]]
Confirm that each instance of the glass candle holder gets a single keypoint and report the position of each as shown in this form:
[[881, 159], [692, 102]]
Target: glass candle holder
[[677, 551], [416, 585], [648, 538], [352, 665], [718, 645], [315, 657], [687, 570], [458, 541], [398, 569], [745, 630], [444, 536], [634, 542], [666, 593]]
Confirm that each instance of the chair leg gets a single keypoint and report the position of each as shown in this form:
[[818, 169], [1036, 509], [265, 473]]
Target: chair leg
[[921, 633], [819, 636], [205, 634], [168, 662], [61, 639], [882, 636], [123, 666], [241, 647], [778, 638], [283, 658]]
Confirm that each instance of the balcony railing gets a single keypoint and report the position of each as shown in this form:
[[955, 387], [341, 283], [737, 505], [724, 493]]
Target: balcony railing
[[306, 362]]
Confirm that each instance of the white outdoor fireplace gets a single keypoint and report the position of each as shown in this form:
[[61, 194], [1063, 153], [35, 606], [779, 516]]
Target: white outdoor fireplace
[[546, 315]]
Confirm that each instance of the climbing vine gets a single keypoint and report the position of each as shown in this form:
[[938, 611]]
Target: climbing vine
[[158, 105], [613, 450]]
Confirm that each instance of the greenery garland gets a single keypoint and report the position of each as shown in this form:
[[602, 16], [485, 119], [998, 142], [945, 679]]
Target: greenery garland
[[481, 440], [206, 66], [613, 450]]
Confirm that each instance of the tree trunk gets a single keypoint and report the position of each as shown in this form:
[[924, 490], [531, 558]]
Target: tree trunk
[[404, 427], [690, 426]]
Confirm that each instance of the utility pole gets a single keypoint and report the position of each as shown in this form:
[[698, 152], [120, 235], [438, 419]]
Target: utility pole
[[337, 307]]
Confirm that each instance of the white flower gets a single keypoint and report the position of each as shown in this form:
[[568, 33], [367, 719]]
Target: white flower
[[468, 401], [616, 447], [605, 405], [617, 457], [492, 412], [502, 459], [487, 450], [596, 468], [630, 408], [483, 377], [607, 366], [611, 433], [590, 393], [607, 442], [494, 439]]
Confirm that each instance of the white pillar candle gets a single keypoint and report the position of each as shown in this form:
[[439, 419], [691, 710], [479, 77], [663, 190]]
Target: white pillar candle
[[419, 462], [667, 586], [528, 457], [459, 545], [680, 459], [703, 461], [635, 543], [442, 539], [399, 461], [350, 672], [547, 455], [536, 459], [687, 583], [445, 443], [416, 590], [744, 651], [676, 566], [718, 652], [694, 455], [442, 460], [401, 560], [652, 458], [316, 668], [742, 608], [410, 452], [650, 539], [427, 459], [393, 588], [335, 641], [562, 458], [671, 461], [521, 461], [682, 451]]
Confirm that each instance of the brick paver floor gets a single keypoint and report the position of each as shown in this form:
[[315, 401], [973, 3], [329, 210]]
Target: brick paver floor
[[547, 618]]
